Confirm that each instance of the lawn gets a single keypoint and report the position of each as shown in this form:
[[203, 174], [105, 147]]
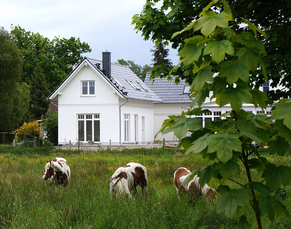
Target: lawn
[[27, 201]]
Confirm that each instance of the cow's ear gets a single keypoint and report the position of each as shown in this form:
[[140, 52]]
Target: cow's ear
[[47, 161]]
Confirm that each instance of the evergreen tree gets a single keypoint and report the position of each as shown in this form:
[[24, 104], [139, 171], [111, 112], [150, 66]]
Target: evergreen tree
[[160, 54], [39, 102]]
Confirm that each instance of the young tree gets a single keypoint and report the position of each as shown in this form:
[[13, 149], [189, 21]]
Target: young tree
[[50, 123], [159, 23], [223, 60]]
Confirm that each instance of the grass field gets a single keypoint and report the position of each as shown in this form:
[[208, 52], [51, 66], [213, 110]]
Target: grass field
[[27, 201]]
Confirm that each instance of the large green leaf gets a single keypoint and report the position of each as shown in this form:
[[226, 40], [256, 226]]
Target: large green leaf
[[182, 125], [269, 205], [200, 144], [248, 129], [192, 50], [229, 168], [259, 187], [243, 223], [219, 49], [208, 22], [259, 98], [250, 57], [206, 173], [234, 70], [234, 96], [283, 130], [283, 111], [276, 175], [229, 201], [279, 146], [202, 76], [200, 97], [224, 145]]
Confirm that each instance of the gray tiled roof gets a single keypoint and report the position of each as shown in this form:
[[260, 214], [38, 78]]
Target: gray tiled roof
[[169, 91], [124, 79]]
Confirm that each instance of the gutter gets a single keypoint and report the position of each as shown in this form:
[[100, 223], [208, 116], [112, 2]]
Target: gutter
[[120, 120]]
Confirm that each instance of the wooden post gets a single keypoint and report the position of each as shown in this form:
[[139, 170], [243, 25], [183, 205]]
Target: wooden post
[[164, 143], [78, 145], [109, 144], [70, 144], [34, 141]]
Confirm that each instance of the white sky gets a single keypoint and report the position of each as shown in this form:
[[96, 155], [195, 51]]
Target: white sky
[[103, 24]]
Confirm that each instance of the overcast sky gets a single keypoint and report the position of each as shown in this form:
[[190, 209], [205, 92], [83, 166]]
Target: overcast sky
[[104, 25]]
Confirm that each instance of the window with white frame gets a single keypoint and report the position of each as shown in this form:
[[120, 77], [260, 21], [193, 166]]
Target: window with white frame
[[126, 127], [88, 87], [89, 127], [209, 116], [135, 127]]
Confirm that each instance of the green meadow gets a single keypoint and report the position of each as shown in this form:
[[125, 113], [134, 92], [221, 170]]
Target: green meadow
[[27, 201]]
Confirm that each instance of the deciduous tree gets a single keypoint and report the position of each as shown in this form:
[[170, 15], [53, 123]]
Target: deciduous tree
[[159, 23], [55, 58], [14, 96], [221, 59]]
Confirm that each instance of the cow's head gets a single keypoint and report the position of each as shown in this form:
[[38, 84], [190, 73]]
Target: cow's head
[[115, 183], [49, 170]]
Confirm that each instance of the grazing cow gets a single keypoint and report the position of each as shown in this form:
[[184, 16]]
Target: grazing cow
[[58, 170], [125, 179], [193, 187]]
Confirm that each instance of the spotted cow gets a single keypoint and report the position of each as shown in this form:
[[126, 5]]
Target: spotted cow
[[58, 170], [125, 179], [193, 188]]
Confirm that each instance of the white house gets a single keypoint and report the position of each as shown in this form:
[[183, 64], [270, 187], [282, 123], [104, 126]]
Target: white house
[[176, 98], [100, 102]]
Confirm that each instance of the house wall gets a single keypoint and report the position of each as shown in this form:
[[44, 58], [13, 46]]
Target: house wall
[[110, 107], [71, 103], [161, 112], [145, 125]]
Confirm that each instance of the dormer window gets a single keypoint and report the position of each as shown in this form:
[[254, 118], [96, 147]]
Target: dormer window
[[266, 87], [187, 89], [88, 87], [136, 87]]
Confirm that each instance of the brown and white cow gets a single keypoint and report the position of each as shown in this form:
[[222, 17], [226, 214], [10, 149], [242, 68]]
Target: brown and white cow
[[193, 187], [58, 170], [125, 179]]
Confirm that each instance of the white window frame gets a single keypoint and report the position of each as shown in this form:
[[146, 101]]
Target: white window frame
[[88, 84], [135, 128], [126, 127], [85, 118]]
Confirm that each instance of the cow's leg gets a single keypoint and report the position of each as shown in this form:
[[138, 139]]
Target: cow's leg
[[145, 191]]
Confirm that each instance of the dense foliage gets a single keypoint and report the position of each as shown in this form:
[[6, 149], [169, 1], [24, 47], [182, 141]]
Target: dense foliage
[[159, 23], [14, 95], [223, 61], [28, 130], [45, 64], [50, 124]]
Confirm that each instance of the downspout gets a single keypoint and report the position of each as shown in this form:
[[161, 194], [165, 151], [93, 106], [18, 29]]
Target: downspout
[[120, 120]]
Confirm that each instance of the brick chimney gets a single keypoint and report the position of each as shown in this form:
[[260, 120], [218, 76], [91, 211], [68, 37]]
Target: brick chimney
[[106, 63]]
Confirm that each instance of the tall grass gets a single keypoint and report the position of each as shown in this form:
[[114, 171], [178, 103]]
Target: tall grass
[[27, 201]]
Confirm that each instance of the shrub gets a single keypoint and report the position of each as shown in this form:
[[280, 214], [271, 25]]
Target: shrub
[[28, 130]]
